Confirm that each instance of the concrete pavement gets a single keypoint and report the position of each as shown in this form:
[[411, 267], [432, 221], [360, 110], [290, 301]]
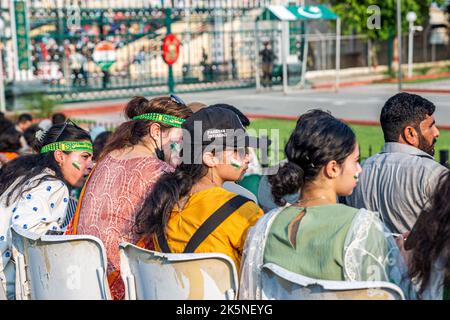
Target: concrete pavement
[[356, 104]]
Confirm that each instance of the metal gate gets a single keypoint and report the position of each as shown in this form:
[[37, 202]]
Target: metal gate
[[52, 44]]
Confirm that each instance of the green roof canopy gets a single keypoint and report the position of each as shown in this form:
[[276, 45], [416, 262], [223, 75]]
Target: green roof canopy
[[293, 13]]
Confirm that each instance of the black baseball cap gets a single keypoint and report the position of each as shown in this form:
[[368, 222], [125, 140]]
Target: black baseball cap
[[216, 126]]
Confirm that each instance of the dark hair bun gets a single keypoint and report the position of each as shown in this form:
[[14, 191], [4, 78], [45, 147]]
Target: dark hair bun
[[136, 107], [288, 180]]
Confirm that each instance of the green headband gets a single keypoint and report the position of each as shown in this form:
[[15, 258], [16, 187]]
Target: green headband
[[164, 118], [68, 146]]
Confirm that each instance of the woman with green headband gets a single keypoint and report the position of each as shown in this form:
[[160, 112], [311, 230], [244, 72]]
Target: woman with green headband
[[34, 189], [139, 151]]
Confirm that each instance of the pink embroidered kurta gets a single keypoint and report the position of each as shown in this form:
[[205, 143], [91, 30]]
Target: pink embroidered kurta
[[114, 194]]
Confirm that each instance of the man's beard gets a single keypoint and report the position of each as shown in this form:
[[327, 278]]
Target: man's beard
[[425, 146]]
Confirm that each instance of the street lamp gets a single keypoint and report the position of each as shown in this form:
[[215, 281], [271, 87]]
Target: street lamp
[[2, 83], [411, 17], [399, 43]]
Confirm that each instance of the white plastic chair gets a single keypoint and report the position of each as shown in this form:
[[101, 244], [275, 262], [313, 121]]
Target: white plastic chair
[[281, 284], [2, 292], [150, 275], [59, 267]]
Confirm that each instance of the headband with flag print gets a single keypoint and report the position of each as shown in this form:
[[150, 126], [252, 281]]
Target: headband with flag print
[[68, 146], [163, 118]]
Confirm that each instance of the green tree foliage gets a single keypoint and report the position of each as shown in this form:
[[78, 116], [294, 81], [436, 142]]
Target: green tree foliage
[[354, 15], [40, 104]]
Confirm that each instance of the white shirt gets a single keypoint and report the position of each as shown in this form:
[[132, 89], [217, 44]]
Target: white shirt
[[41, 209]]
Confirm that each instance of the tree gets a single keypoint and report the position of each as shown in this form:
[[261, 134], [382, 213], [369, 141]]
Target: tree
[[355, 15], [41, 104]]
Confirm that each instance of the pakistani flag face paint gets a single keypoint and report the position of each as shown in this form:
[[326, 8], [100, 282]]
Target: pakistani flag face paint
[[172, 148], [236, 164], [233, 168], [76, 166]]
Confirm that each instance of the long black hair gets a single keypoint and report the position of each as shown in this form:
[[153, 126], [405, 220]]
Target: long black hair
[[431, 235], [166, 193], [317, 139], [27, 167]]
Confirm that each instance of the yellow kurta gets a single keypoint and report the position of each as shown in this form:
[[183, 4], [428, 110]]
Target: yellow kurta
[[228, 238]]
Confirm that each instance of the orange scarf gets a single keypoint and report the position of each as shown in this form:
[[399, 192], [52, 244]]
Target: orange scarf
[[73, 224], [10, 155]]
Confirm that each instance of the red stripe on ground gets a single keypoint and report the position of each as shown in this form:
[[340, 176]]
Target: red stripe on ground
[[94, 110], [392, 80], [422, 77], [419, 90], [342, 84]]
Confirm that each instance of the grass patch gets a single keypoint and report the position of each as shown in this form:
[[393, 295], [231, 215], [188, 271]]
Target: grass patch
[[370, 138], [422, 71]]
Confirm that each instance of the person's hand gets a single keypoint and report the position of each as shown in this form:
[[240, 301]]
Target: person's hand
[[401, 245]]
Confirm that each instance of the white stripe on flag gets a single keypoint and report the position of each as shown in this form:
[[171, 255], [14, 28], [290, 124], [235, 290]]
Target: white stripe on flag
[[282, 13], [104, 55]]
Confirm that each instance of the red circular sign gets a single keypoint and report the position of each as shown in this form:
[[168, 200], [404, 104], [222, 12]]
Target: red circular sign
[[171, 49]]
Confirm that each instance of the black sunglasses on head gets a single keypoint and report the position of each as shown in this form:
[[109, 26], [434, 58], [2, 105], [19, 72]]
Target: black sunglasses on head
[[68, 121], [177, 99]]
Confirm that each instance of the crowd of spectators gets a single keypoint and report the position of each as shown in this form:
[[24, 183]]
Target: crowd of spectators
[[49, 52], [160, 177]]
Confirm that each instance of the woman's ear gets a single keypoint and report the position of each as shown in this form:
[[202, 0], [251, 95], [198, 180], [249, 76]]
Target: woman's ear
[[154, 130], [332, 169], [209, 159], [59, 157]]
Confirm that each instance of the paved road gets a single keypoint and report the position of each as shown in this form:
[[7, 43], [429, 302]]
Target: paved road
[[359, 103]]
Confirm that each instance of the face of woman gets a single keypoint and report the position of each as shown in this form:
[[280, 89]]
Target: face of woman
[[172, 141], [233, 164], [75, 167], [347, 180]]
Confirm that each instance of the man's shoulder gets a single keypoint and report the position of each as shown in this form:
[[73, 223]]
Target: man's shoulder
[[425, 165], [399, 157], [373, 159]]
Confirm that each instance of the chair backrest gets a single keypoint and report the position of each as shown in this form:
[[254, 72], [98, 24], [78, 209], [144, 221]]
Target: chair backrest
[[150, 275], [2, 292], [59, 267], [281, 284]]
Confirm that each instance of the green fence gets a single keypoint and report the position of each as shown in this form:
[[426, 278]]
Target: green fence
[[218, 46]]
